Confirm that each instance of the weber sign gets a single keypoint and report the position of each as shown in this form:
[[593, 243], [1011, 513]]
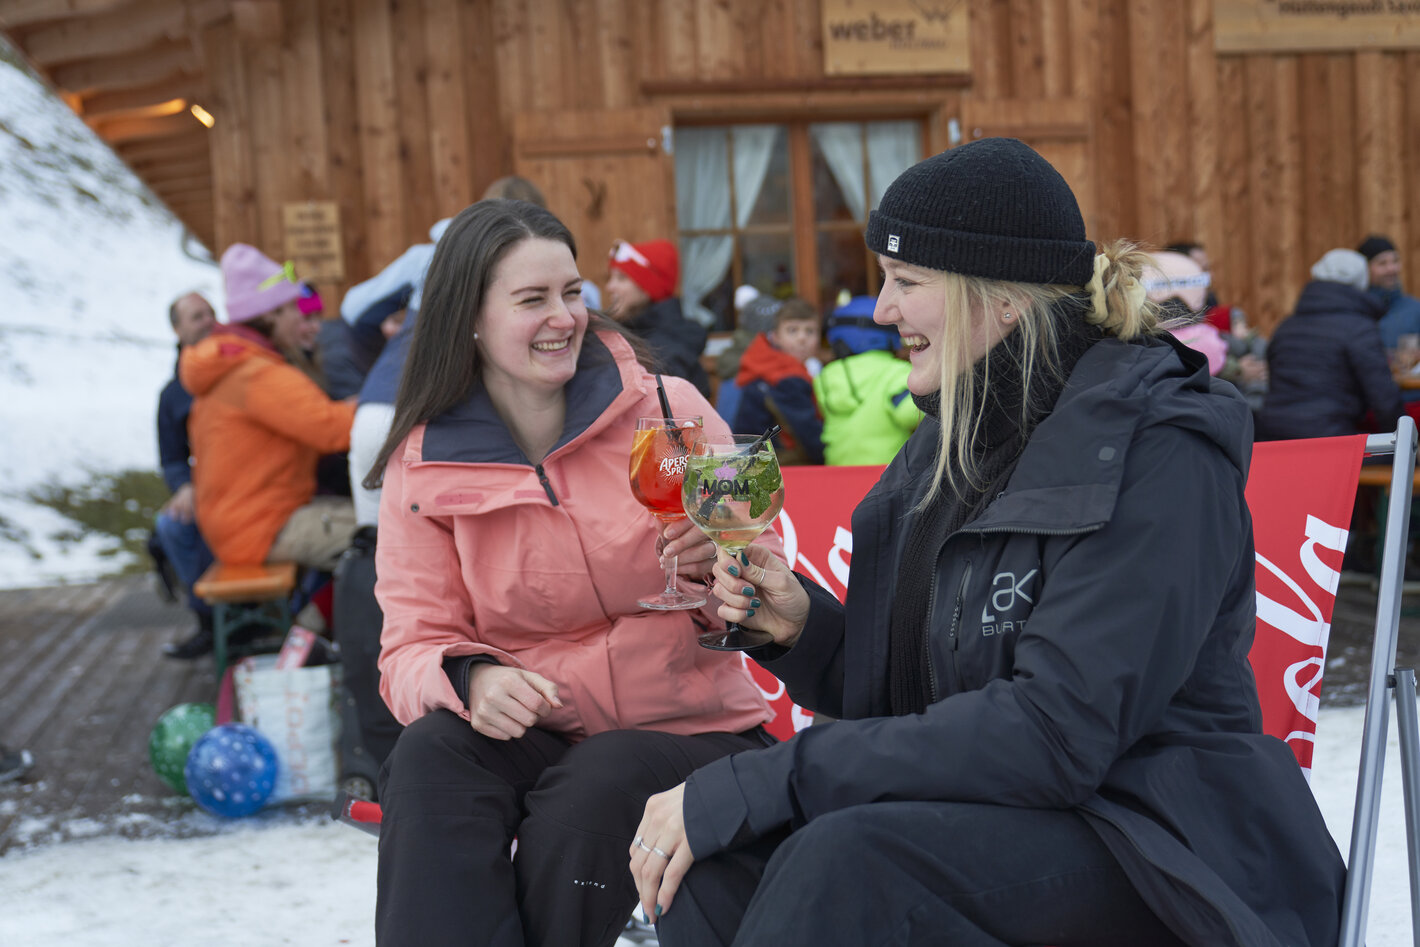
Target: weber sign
[[888, 37]]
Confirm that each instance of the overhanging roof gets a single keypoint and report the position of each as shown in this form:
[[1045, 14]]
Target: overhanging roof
[[133, 70]]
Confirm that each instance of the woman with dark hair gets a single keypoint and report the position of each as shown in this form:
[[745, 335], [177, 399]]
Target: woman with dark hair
[[1048, 728], [540, 700]]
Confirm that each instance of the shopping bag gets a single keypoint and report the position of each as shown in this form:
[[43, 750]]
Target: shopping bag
[[294, 708]]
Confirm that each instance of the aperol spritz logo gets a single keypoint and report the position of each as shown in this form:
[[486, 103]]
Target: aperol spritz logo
[[672, 466]]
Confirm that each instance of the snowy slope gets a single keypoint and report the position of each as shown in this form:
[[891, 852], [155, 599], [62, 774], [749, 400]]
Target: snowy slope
[[89, 262]]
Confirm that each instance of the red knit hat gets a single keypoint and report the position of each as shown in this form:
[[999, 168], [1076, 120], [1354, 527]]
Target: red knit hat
[[653, 265]]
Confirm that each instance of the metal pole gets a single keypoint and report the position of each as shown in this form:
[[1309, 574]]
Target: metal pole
[[1408, 727], [1361, 863]]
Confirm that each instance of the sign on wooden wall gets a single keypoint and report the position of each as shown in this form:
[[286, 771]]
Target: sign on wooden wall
[[313, 240], [1286, 25], [886, 37]]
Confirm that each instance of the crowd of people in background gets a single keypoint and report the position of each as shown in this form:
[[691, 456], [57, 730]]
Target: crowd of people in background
[[391, 449]]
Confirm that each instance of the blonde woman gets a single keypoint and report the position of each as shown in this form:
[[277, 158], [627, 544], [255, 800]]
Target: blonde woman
[[1049, 730]]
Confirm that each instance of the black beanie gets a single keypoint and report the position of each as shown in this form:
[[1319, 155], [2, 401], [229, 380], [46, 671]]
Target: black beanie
[[992, 208], [1374, 245]]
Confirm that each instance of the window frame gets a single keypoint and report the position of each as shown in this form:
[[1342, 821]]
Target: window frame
[[803, 229]]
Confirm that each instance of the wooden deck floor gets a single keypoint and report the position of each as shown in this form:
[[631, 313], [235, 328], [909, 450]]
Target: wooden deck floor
[[83, 678]]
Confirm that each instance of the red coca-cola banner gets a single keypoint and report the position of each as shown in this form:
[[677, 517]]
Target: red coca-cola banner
[[1300, 494]]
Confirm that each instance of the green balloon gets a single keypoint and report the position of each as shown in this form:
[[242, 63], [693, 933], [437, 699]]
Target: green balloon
[[172, 738]]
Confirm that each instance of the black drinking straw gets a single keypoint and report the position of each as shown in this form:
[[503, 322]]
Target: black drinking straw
[[666, 412]]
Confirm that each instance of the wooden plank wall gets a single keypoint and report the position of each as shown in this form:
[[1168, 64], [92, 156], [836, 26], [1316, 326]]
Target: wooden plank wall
[[388, 108], [404, 111]]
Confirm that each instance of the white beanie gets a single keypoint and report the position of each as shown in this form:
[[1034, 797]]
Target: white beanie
[[1342, 266]]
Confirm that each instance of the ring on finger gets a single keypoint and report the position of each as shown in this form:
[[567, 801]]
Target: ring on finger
[[657, 851], [636, 841], [644, 847]]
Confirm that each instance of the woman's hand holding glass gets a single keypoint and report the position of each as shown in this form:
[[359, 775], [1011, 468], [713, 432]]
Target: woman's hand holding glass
[[759, 591], [505, 702], [684, 543]]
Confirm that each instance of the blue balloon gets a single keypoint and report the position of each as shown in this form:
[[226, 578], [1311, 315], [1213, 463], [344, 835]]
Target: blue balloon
[[231, 771]]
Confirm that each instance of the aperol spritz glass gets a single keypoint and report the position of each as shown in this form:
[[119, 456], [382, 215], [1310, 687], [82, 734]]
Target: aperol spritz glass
[[733, 490], [658, 457]]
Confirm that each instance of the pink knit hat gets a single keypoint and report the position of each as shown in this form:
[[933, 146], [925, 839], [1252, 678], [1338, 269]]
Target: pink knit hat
[[255, 283]]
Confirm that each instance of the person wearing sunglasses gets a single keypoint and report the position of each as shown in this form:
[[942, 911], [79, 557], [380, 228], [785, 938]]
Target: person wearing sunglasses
[[259, 424], [640, 294]]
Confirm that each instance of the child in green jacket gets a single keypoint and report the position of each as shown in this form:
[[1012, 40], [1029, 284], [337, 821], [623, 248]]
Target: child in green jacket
[[868, 413]]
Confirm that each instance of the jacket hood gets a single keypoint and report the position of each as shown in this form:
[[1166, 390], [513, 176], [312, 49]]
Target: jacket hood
[[607, 376], [1117, 389], [1321, 298], [837, 385], [203, 365], [763, 362]]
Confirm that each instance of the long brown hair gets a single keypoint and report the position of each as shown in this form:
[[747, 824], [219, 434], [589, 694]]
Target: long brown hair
[[442, 364]]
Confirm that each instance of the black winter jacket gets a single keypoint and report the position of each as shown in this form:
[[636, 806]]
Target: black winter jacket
[[1328, 368], [674, 340], [1089, 635]]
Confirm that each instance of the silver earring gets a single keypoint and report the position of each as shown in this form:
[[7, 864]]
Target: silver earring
[[1006, 317], [475, 336]]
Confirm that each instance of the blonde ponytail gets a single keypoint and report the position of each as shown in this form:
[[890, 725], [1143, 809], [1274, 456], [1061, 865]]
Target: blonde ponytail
[[1118, 301]]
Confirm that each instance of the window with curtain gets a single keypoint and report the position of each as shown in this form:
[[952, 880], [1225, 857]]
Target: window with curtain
[[739, 223]]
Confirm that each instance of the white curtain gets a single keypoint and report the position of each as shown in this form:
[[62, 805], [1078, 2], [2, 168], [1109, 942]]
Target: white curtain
[[703, 201], [842, 147], [893, 147]]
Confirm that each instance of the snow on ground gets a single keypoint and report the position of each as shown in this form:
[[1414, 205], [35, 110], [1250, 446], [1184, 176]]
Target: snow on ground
[[279, 879], [89, 262]]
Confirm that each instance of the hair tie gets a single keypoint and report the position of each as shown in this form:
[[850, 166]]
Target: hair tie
[[1135, 294], [1098, 307]]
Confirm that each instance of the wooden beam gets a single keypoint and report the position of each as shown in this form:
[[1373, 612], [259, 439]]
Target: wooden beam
[[156, 64], [188, 192], [259, 20], [99, 104], [179, 146], [135, 129], [15, 14], [126, 30], [180, 167], [168, 184]]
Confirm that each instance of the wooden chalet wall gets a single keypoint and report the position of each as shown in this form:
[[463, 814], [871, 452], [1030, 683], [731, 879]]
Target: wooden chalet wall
[[402, 111]]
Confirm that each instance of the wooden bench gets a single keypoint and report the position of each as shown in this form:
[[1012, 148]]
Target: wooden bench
[[1378, 475], [245, 595]]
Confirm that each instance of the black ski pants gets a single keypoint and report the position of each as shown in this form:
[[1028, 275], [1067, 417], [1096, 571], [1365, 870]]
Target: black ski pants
[[453, 801], [917, 873]]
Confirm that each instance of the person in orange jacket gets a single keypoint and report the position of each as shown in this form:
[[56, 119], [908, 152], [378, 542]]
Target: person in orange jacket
[[258, 426]]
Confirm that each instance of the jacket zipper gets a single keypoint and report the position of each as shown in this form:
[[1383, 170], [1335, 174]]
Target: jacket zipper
[[952, 634], [546, 484]]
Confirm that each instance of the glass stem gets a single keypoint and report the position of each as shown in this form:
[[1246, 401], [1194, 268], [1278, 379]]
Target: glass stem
[[671, 567]]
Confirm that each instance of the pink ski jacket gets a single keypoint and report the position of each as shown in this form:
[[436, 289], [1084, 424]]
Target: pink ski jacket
[[539, 566]]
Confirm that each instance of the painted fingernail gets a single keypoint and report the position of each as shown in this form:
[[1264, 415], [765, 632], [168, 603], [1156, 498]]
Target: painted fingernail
[[747, 590], [744, 559], [658, 910], [755, 603], [645, 918], [733, 571], [750, 613]]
